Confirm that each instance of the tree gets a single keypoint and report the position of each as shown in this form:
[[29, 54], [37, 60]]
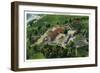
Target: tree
[[48, 25], [65, 31]]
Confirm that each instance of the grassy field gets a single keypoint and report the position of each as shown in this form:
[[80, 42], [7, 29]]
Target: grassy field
[[57, 36]]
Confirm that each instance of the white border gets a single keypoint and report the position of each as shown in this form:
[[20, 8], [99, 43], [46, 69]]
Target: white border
[[57, 62]]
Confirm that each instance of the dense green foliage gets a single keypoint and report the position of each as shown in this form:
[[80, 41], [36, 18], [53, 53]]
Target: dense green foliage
[[36, 28]]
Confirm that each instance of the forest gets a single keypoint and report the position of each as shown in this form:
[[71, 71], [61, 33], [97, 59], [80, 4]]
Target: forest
[[57, 36]]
